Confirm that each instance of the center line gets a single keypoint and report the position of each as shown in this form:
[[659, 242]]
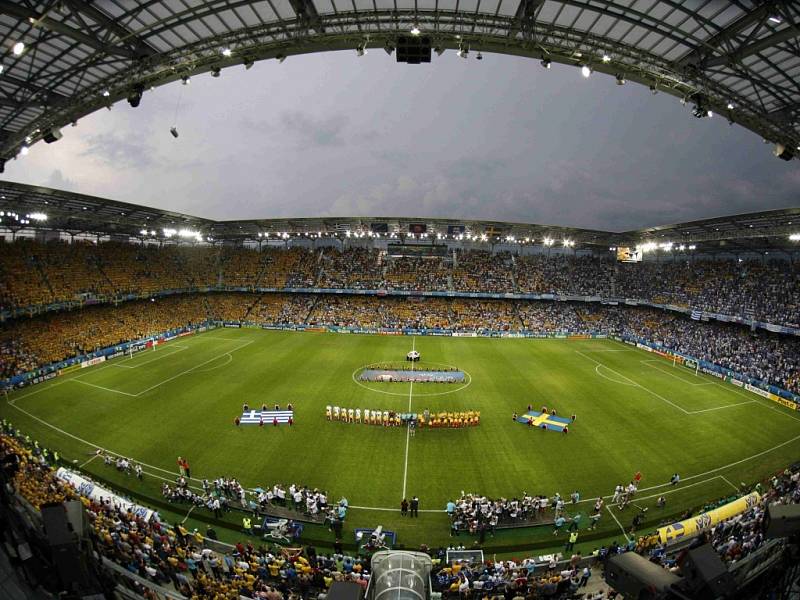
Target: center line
[[408, 427]]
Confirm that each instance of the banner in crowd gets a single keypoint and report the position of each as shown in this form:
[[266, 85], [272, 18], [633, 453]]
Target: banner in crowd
[[91, 490], [770, 396], [693, 526]]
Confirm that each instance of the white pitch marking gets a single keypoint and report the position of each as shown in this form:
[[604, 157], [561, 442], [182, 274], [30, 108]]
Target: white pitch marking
[[168, 379], [88, 461], [611, 512], [678, 377], [639, 385], [159, 357], [408, 428], [104, 388], [729, 483]]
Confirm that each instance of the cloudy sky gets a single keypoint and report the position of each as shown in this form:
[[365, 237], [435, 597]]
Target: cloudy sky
[[336, 135]]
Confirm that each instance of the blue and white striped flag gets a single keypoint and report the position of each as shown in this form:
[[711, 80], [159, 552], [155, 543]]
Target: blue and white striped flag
[[696, 315], [253, 417]]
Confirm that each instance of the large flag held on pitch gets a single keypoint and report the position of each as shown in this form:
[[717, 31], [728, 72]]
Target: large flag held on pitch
[[254, 417]]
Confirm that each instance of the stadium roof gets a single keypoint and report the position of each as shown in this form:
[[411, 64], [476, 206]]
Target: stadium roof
[[67, 58], [80, 214]]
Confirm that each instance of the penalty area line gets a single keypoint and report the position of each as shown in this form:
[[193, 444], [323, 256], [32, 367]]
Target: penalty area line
[[622, 529]]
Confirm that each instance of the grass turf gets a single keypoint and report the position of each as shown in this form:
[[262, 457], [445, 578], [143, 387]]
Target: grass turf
[[636, 412]]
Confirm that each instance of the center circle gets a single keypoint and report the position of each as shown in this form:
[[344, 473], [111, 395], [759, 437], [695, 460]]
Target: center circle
[[466, 384]]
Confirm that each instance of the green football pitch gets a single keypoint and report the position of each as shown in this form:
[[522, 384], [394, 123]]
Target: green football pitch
[[635, 412]]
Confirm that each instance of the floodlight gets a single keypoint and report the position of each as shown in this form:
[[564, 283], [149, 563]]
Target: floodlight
[[24, 151], [545, 62], [226, 52], [18, 48], [106, 93], [37, 216], [776, 19], [606, 58], [1, 69], [415, 30], [794, 237], [143, 232], [730, 105], [586, 70]]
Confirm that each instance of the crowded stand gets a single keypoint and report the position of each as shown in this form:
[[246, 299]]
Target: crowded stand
[[769, 357], [34, 273], [198, 567]]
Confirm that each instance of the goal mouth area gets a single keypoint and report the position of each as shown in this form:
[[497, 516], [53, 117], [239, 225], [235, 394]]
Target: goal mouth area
[[407, 375]]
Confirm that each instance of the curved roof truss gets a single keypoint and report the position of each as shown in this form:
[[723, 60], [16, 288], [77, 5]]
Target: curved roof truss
[[740, 58]]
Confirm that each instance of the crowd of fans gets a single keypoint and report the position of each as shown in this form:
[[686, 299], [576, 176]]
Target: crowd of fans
[[174, 556], [34, 273], [768, 357]]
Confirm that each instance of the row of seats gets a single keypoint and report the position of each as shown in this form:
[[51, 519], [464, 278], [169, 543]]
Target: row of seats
[[33, 273], [26, 343]]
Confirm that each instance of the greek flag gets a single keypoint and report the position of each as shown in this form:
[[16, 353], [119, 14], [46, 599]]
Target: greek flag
[[697, 315], [253, 417]]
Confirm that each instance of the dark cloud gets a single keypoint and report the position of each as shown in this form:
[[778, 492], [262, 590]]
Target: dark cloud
[[316, 131], [122, 150], [502, 139]]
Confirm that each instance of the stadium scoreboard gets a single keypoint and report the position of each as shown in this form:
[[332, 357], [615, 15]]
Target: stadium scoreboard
[[628, 254]]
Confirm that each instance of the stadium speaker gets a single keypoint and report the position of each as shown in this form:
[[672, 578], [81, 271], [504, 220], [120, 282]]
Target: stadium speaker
[[704, 573], [634, 576], [52, 136], [783, 520], [413, 49], [783, 152], [135, 95], [56, 525]]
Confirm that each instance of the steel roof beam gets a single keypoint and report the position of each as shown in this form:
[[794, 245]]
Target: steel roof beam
[[526, 13], [743, 52], [138, 44], [39, 20], [307, 11]]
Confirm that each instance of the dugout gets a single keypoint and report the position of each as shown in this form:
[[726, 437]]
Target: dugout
[[400, 575]]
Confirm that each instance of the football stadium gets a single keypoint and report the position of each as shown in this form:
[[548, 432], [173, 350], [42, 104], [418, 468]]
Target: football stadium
[[349, 407]]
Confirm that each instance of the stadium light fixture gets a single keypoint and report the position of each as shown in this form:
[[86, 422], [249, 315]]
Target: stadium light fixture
[[606, 58], [546, 63], [776, 19], [226, 52], [143, 232], [794, 237], [730, 105], [168, 233], [586, 70], [415, 30], [37, 216], [24, 151], [567, 243], [106, 93], [1, 69], [18, 48], [548, 241], [484, 237], [692, 247]]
